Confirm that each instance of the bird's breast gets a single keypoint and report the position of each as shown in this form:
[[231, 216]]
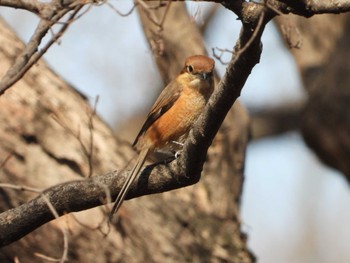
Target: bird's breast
[[174, 124]]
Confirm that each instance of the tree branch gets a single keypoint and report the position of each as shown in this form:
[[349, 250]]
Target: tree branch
[[35, 7], [275, 121], [309, 8], [30, 55], [65, 198]]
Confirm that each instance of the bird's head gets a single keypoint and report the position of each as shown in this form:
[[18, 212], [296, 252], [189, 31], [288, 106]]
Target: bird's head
[[199, 67]]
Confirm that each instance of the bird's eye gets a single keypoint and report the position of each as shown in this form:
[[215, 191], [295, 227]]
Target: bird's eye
[[190, 69]]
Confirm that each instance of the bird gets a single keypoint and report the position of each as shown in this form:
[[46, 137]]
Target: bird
[[171, 117]]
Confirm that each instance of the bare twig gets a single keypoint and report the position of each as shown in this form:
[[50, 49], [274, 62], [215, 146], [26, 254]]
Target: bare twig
[[149, 11], [87, 150], [99, 226], [253, 37], [50, 259], [30, 55], [63, 229], [157, 45], [54, 213], [274, 9], [90, 153], [35, 7], [20, 187], [219, 56], [287, 32], [8, 157], [120, 13]]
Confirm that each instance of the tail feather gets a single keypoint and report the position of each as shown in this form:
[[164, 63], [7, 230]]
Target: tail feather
[[129, 180]]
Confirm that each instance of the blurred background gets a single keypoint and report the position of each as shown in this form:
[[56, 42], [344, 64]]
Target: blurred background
[[294, 208]]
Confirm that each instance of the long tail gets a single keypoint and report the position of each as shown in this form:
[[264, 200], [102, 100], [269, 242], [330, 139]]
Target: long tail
[[129, 180]]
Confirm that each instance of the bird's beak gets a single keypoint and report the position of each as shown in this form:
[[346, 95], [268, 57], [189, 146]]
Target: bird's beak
[[203, 76]]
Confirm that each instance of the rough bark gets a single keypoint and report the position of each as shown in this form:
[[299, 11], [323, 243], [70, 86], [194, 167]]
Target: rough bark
[[324, 62], [44, 124]]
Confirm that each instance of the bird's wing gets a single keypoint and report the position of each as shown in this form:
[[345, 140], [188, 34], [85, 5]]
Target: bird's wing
[[164, 102]]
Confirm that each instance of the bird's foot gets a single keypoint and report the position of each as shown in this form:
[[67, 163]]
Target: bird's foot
[[177, 154], [178, 143]]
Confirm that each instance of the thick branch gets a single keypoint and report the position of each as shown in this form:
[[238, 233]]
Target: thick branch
[[304, 8], [275, 121], [17, 222], [308, 8]]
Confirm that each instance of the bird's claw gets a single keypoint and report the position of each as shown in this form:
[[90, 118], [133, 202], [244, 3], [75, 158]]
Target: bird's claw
[[178, 143], [177, 154]]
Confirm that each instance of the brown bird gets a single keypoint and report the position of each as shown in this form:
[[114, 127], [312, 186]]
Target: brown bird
[[172, 115]]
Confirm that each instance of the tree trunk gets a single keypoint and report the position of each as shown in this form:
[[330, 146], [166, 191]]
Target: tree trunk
[[324, 63]]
